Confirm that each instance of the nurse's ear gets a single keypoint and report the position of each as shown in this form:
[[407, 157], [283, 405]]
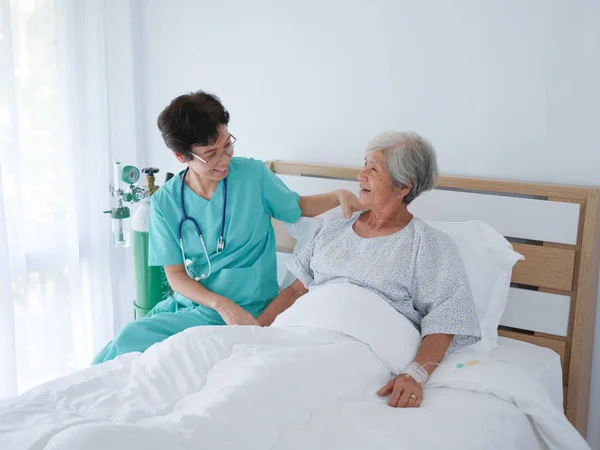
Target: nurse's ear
[[183, 159]]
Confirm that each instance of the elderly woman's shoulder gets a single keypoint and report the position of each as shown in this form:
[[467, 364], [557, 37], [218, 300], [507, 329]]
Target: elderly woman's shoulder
[[431, 236], [336, 217]]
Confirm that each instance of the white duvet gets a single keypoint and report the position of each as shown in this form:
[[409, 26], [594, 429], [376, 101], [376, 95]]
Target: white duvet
[[286, 387]]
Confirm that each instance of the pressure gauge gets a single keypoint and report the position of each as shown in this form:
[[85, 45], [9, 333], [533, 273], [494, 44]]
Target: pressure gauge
[[131, 174]]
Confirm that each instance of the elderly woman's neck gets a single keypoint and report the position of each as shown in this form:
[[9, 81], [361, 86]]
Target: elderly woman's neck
[[388, 218]]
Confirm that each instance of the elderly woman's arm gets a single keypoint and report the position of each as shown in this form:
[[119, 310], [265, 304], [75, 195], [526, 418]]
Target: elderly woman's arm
[[442, 294], [406, 391], [432, 350], [283, 301], [299, 266]]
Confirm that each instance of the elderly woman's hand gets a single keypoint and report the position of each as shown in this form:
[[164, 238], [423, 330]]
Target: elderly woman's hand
[[348, 202], [406, 392]]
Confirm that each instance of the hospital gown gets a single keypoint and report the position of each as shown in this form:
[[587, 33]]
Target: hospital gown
[[417, 270]]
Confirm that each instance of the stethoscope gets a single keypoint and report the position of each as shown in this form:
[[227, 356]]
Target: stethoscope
[[220, 242]]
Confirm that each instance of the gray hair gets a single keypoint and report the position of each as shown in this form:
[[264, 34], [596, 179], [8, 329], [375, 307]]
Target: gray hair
[[411, 160]]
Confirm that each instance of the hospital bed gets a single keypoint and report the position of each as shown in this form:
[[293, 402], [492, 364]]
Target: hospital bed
[[311, 387]]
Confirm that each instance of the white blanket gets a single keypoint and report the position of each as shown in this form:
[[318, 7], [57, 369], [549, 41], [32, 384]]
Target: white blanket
[[279, 388]]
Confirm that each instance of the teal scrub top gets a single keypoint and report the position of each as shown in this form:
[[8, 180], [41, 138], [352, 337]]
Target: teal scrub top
[[246, 271]]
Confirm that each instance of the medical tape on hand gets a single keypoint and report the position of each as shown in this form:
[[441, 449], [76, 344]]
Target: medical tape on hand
[[417, 372]]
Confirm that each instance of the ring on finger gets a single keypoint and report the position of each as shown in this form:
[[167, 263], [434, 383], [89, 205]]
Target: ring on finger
[[413, 396]]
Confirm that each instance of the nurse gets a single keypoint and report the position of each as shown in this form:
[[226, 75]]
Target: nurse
[[210, 227]]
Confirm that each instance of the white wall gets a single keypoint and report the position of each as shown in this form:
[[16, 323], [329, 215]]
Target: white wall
[[507, 89]]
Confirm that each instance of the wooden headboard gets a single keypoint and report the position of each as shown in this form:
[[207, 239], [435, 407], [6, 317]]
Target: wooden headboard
[[553, 294]]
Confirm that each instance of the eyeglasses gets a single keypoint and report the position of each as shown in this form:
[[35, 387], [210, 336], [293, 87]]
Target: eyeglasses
[[214, 160]]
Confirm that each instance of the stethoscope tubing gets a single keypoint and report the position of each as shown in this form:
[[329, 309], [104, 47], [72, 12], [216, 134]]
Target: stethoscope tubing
[[185, 217]]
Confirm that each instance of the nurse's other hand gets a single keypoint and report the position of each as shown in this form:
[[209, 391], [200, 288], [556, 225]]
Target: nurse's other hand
[[234, 314], [349, 202]]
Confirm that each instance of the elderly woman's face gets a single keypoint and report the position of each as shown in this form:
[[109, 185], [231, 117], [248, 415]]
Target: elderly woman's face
[[376, 183]]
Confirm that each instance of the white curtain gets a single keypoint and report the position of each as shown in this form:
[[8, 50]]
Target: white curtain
[[57, 291]]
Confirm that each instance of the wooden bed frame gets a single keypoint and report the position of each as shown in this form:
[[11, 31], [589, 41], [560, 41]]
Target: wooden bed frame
[[567, 269]]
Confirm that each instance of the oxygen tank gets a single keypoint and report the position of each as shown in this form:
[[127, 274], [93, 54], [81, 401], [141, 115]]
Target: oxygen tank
[[151, 284]]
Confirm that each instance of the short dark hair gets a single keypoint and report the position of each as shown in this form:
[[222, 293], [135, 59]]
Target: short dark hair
[[192, 119]]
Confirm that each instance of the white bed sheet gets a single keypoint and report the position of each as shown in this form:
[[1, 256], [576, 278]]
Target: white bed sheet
[[277, 389], [541, 363]]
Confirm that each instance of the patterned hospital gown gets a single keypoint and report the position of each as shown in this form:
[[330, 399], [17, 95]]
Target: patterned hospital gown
[[417, 270]]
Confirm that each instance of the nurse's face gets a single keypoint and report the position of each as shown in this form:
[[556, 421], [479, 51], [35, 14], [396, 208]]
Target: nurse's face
[[212, 161]]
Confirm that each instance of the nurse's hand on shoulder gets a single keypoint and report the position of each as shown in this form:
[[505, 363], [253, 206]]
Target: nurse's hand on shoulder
[[234, 314], [348, 202]]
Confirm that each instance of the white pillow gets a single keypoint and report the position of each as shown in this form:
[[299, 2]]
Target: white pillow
[[488, 259], [359, 313]]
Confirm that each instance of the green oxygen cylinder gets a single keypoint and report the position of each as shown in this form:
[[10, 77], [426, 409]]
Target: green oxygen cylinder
[[151, 284]]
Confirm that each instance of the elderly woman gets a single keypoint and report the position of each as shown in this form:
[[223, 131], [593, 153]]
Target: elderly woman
[[384, 248]]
